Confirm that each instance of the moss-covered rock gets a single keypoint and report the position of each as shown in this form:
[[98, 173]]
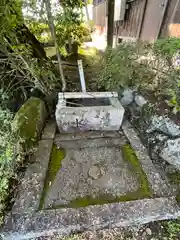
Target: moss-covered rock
[[29, 121]]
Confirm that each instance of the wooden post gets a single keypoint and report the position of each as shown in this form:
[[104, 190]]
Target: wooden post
[[110, 27], [53, 33]]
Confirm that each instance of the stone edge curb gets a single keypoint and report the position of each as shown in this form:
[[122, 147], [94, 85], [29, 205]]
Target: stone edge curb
[[49, 130], [32, 184], [68, 221], [158, 185]]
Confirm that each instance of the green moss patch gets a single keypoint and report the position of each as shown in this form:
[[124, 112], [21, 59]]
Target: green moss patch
[[178, 198], [174, 177], [103, 199], [129, 156], [57, 156], [29, 120]]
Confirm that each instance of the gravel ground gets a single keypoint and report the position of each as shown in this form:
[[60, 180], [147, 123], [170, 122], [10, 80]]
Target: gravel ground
[[164, 230]]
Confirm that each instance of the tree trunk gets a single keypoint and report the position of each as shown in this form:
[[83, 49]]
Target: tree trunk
[[23, 33], [53, 33], [110, 29], [25, 36]]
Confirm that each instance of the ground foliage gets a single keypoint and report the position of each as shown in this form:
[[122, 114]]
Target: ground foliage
[[20, 73], [8, 152], [167, 47], [120, 68], [21, 69], [24, 68], [144, 67]]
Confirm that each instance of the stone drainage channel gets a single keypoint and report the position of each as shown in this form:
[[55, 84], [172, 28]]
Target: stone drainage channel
[[89, 181]]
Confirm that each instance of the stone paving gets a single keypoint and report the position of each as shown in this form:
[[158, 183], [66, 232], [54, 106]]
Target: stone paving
[[94, 167], [111, 177]]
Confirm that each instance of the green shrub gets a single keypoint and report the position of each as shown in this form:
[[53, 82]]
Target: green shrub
[[40, 30], [167, 47], [143, 67], [70, 28], [174, 100], [5, 127], [173, 229], [73, 32], [17, 134], [120, 67], [7, 156]]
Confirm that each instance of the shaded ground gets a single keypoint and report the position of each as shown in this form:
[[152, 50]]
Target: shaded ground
[[161, 106], [90, 57]]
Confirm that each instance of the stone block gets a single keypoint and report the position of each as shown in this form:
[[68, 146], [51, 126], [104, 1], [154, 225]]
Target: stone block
[[104, 118], [49, 130], [30, 191], [68, 221]]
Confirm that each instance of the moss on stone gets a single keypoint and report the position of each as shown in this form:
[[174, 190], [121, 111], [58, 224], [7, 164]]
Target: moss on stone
[[29, 120], [104, 199], [57, 155], [129, 156], [178, 198], [174, 177], [142, 192]]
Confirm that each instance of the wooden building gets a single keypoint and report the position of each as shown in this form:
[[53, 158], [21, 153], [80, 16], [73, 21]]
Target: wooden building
[[141, 19]]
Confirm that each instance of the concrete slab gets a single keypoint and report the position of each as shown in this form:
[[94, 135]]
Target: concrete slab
[[31, 188], [89, 135], [68, 221], [49, 130], [73, 181], [32, 184], [90, 143]]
